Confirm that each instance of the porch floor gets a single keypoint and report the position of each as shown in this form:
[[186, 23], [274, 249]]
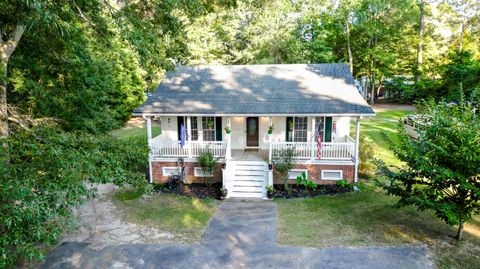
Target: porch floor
[[249, 154]]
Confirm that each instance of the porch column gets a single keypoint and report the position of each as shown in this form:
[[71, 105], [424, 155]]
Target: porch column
[[270, 140], [150, 147], [228, 138], [189, 136], [313, 140], [357, 142]]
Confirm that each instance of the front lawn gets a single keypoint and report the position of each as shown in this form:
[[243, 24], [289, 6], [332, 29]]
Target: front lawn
[[363, 219], [185, 217], [384, 123], [132, 131]]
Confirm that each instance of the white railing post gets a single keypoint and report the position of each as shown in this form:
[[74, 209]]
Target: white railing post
[[228, 138], [150, 147], [270, 139], [312, 153], [189, 136], [357, 140]]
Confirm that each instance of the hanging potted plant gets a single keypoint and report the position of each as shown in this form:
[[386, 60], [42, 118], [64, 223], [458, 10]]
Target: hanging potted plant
[[223, 193], [270, 129], [228, 130], [209, 124]]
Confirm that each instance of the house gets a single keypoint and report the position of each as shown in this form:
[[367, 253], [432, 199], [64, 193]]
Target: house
[[307, 107]]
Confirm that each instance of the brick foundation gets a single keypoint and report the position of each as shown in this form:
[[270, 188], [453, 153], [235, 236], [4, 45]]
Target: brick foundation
[[158, 176], [315, 172]]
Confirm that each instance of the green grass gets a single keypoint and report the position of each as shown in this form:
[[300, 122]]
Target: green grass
[[363, 219], [128, 132], [384, 123], [185, 217]]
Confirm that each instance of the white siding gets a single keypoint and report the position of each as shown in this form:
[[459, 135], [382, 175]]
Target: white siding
[[238, 132], [169, 130], [342, 128]]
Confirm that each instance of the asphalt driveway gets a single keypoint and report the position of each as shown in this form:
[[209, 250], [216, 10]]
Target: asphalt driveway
[[240, 235]]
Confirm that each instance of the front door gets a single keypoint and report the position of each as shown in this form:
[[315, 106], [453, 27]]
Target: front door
[[252, 131]]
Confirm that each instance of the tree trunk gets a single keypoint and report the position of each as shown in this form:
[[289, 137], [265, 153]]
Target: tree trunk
[[372, 89], [460, 231], [349, 49], [379, 86], [421, 31], [460, 39], [3, 101], [6, 49]]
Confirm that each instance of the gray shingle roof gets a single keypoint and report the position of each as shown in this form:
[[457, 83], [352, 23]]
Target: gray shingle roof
[[257, 90]]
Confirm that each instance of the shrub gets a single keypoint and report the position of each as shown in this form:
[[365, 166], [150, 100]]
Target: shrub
[[366, 165], [47, 174], [308, 184], [283, 162], [208, 164], [344, 185]]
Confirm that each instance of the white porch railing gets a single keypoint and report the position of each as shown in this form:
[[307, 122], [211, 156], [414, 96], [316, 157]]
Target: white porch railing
[[329, 150], [173, 148], [218, 148], [302, 149]]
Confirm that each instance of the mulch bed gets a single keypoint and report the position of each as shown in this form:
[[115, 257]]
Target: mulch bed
[[193, 190], [203, 191], [301, 192]]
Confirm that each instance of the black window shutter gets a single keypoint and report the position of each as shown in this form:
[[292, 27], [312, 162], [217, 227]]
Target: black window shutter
[[328, 129], [288, 132], [179, 123], [218, 128]]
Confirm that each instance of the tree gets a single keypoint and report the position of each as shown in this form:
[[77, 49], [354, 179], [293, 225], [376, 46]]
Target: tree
[[421, 32], [442, 167], [460, 76]]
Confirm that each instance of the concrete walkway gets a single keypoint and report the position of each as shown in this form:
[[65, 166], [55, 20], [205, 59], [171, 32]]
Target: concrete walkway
[[240, 235]]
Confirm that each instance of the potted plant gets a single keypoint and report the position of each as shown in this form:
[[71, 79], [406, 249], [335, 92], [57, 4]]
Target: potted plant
[[209, 123], [269, 191], [270, 166], [223, 193], [270, 129], [228, 130]]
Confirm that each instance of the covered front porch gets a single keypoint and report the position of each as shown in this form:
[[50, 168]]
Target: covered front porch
[[255, 138]]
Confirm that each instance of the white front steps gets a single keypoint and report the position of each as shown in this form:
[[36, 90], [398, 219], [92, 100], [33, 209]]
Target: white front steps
[[247, 179]]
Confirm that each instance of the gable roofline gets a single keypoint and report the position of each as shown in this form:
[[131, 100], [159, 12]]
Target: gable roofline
[[264, 90]]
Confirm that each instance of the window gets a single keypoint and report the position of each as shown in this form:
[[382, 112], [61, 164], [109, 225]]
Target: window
[[300, 129], [170, 171], [208, 126], [320, 128], [198, 172], [294, 173], [194, 127], [332, 174]]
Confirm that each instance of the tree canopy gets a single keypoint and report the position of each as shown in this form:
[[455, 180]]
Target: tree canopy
[[90, 63]]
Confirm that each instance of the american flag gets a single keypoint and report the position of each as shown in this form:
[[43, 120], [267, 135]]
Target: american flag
[[319, 145]]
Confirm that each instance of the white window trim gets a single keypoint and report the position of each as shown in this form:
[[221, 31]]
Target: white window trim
[[169, 171], [197, 172], [331, 178], [293, 130], [297, 170], [214, 127]]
